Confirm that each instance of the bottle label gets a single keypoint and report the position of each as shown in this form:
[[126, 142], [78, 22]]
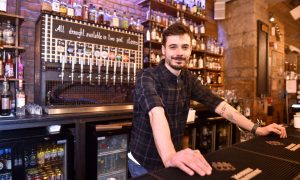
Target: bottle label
[[55, 7], [5, 103], [3, 5], [20, 102]]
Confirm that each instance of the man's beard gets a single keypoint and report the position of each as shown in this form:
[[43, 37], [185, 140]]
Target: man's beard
[[175, 66]]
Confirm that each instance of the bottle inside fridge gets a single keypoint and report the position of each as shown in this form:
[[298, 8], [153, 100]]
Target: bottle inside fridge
[[107, 147], [36, 154]]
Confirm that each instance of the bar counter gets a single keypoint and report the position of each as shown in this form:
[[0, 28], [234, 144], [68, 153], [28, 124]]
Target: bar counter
[[259, 158]]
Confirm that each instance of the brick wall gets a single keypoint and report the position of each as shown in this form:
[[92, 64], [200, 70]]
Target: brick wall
[[30, 9]]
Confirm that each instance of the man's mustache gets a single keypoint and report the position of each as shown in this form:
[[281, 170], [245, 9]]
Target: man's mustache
[[179, 58]]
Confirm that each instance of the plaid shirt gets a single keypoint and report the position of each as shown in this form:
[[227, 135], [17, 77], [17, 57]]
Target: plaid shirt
[[159, 87]]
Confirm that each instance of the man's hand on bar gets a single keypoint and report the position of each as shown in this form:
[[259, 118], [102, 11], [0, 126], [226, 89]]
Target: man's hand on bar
[[278, 129], [190, 161]]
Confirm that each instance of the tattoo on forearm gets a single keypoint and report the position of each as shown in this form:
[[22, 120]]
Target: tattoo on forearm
[[223, 109]]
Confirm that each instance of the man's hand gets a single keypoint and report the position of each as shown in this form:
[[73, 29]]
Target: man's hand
[[189, 161], [278, 129]]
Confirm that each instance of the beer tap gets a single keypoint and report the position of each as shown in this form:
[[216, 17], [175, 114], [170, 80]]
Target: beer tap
[[97, 54], [81, 60], [72, 59], [128, 73], [106, 73], [115, 71], [121, 72], [62, 58], [90, 70], [88, 53], [134, 72], [62, 69]]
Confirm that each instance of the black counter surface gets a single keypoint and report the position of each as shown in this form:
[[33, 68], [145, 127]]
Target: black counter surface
[[275, 161]]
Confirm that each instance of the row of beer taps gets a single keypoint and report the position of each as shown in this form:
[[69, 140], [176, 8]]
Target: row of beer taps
[[112, 64]]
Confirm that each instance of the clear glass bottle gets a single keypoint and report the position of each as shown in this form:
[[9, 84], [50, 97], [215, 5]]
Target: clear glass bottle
[[70, 9], [3, 5], [132, 24], [20, 68], [107, 17], [20, 100], [92, 14], [8, 34], [5, 99], [115, 20], [55, 7], [77, 11]]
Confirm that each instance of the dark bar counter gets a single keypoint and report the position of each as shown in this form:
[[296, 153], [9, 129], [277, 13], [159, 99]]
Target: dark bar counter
[[268, 156]]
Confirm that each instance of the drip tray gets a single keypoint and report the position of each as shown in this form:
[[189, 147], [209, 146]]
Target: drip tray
[[271, 168], [86, 109], [260, 145]]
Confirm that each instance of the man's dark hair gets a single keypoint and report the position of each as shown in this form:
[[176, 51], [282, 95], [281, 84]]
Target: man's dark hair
[[176, 29]]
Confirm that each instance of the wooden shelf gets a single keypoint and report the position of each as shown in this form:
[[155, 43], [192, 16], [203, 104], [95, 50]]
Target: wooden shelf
[[11, 17], [11, 79], [171, 10], [148, 22], [203, 69], [206, 53], [12, 48]]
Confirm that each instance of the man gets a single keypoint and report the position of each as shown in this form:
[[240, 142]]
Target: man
[[161, 104]]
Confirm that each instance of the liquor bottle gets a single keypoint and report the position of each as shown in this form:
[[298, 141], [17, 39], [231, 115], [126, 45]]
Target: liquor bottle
[[100, 16], [107, 17], [41, 156], [148, 37], [20, 100], [1, 35], [199, 11], [9, 67], [124, 23], [7, 158], [2, 161], [132, 24], [153, 34], [92, 14], [63, 9], [139, 26], [77, 11], [55, 7], [60, 152], [1, 64], [5, 99], [115, 19], [20, 68], [200, 62], [202, 45], [194, 8], [32, 158], [70, 9], [183, 6], [202, 28], [8, 32], [85, 8], [3, 5]]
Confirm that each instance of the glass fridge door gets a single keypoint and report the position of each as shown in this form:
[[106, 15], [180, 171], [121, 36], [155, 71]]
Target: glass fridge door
[[112, 157], [46, 160]]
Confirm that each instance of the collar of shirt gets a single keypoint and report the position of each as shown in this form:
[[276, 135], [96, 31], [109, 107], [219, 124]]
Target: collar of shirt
[[168, 76]]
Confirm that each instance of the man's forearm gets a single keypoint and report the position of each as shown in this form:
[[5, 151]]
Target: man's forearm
[[162, 135], [228, 112]]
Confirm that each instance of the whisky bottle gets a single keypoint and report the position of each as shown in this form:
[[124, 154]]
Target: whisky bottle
[[85, 13], [5, 99], [115, 20], [70, 9], [21, 100], [9, 66]]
